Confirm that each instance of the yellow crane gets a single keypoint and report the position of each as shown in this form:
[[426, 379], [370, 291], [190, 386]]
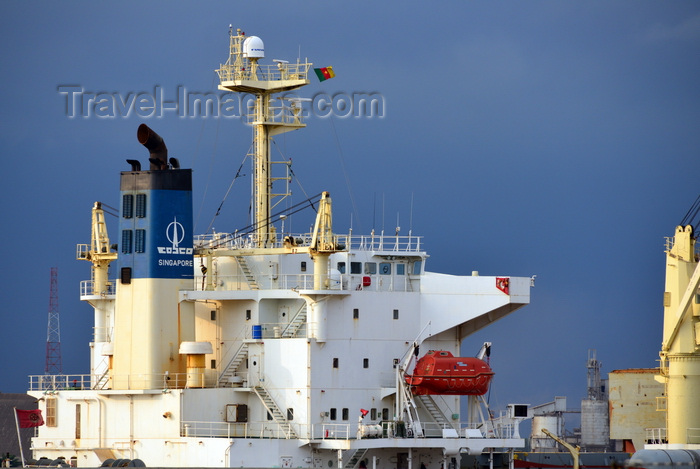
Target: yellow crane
[[99, 252], [574, 450]]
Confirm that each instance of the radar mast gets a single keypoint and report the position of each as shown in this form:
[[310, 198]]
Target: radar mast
[[242, 73]]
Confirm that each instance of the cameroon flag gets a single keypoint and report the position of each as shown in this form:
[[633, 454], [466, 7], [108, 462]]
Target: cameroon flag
[[324, 73]]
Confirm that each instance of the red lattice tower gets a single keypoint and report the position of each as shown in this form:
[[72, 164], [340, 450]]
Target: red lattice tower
[[53, 334]]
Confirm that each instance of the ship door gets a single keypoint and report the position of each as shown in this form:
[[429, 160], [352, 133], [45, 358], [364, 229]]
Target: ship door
[[254, 370], [402, 461]]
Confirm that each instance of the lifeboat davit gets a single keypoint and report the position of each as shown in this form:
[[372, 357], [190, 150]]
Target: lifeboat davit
[[440, 372]]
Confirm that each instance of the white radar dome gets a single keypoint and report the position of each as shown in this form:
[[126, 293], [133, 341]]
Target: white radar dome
[[253, 48]]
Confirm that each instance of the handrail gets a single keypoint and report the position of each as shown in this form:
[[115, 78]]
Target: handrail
[[371, 242], [317, 431], [86, 288]]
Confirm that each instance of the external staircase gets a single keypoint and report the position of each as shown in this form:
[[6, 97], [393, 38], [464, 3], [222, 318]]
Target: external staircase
[[250, 278], [103, 379], [233, 365], [356, 458], [435, 413], [295, 324], [272, 408]]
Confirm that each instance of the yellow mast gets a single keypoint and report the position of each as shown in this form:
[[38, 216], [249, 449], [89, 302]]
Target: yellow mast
[[242, 73]]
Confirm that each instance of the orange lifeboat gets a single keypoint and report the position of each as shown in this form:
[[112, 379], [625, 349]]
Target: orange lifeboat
[[440, 372]]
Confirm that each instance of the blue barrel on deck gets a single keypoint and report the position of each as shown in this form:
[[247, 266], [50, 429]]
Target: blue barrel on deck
[[257, 332]]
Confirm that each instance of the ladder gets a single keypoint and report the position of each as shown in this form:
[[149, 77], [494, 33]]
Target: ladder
[[434, 411], [356, 457], [296, 323], [250, 278], [233, 365], [275, 412]]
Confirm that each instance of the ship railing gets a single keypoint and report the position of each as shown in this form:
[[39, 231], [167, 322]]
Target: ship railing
[[281, 113], [382, 242], [328, 431], [264, 282], [670, 240], [60, 382], [372, 242], [102, 334], [165, 381], [332, 431], [692, 436], [656, 436], [499, 429], [343, 282], [277, 72], [258, 429], [140, 381], [271, 330], [87, 289]]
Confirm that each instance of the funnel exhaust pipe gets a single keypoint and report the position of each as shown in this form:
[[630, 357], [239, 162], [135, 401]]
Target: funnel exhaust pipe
[[155, 144]]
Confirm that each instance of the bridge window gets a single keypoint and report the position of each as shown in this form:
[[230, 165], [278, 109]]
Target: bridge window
[[356, 267], [370, 268], [417, 267], [341, 267]]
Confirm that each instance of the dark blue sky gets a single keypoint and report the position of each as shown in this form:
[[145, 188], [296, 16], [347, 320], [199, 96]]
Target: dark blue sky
[[548, 138]]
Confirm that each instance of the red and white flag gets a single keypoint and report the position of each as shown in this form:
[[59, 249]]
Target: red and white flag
[[29, 418]]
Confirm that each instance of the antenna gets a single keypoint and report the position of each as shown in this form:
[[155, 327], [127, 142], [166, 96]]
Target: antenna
[[53, 334]]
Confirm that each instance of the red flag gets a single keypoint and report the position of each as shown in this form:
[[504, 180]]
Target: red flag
[[29, 418]]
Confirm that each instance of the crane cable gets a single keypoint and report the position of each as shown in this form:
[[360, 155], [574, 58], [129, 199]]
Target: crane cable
[[309, 202], [228, 191], [690, 217]]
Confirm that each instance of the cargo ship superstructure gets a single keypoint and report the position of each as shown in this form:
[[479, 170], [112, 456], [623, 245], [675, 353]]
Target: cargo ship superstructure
[[262, 348]]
